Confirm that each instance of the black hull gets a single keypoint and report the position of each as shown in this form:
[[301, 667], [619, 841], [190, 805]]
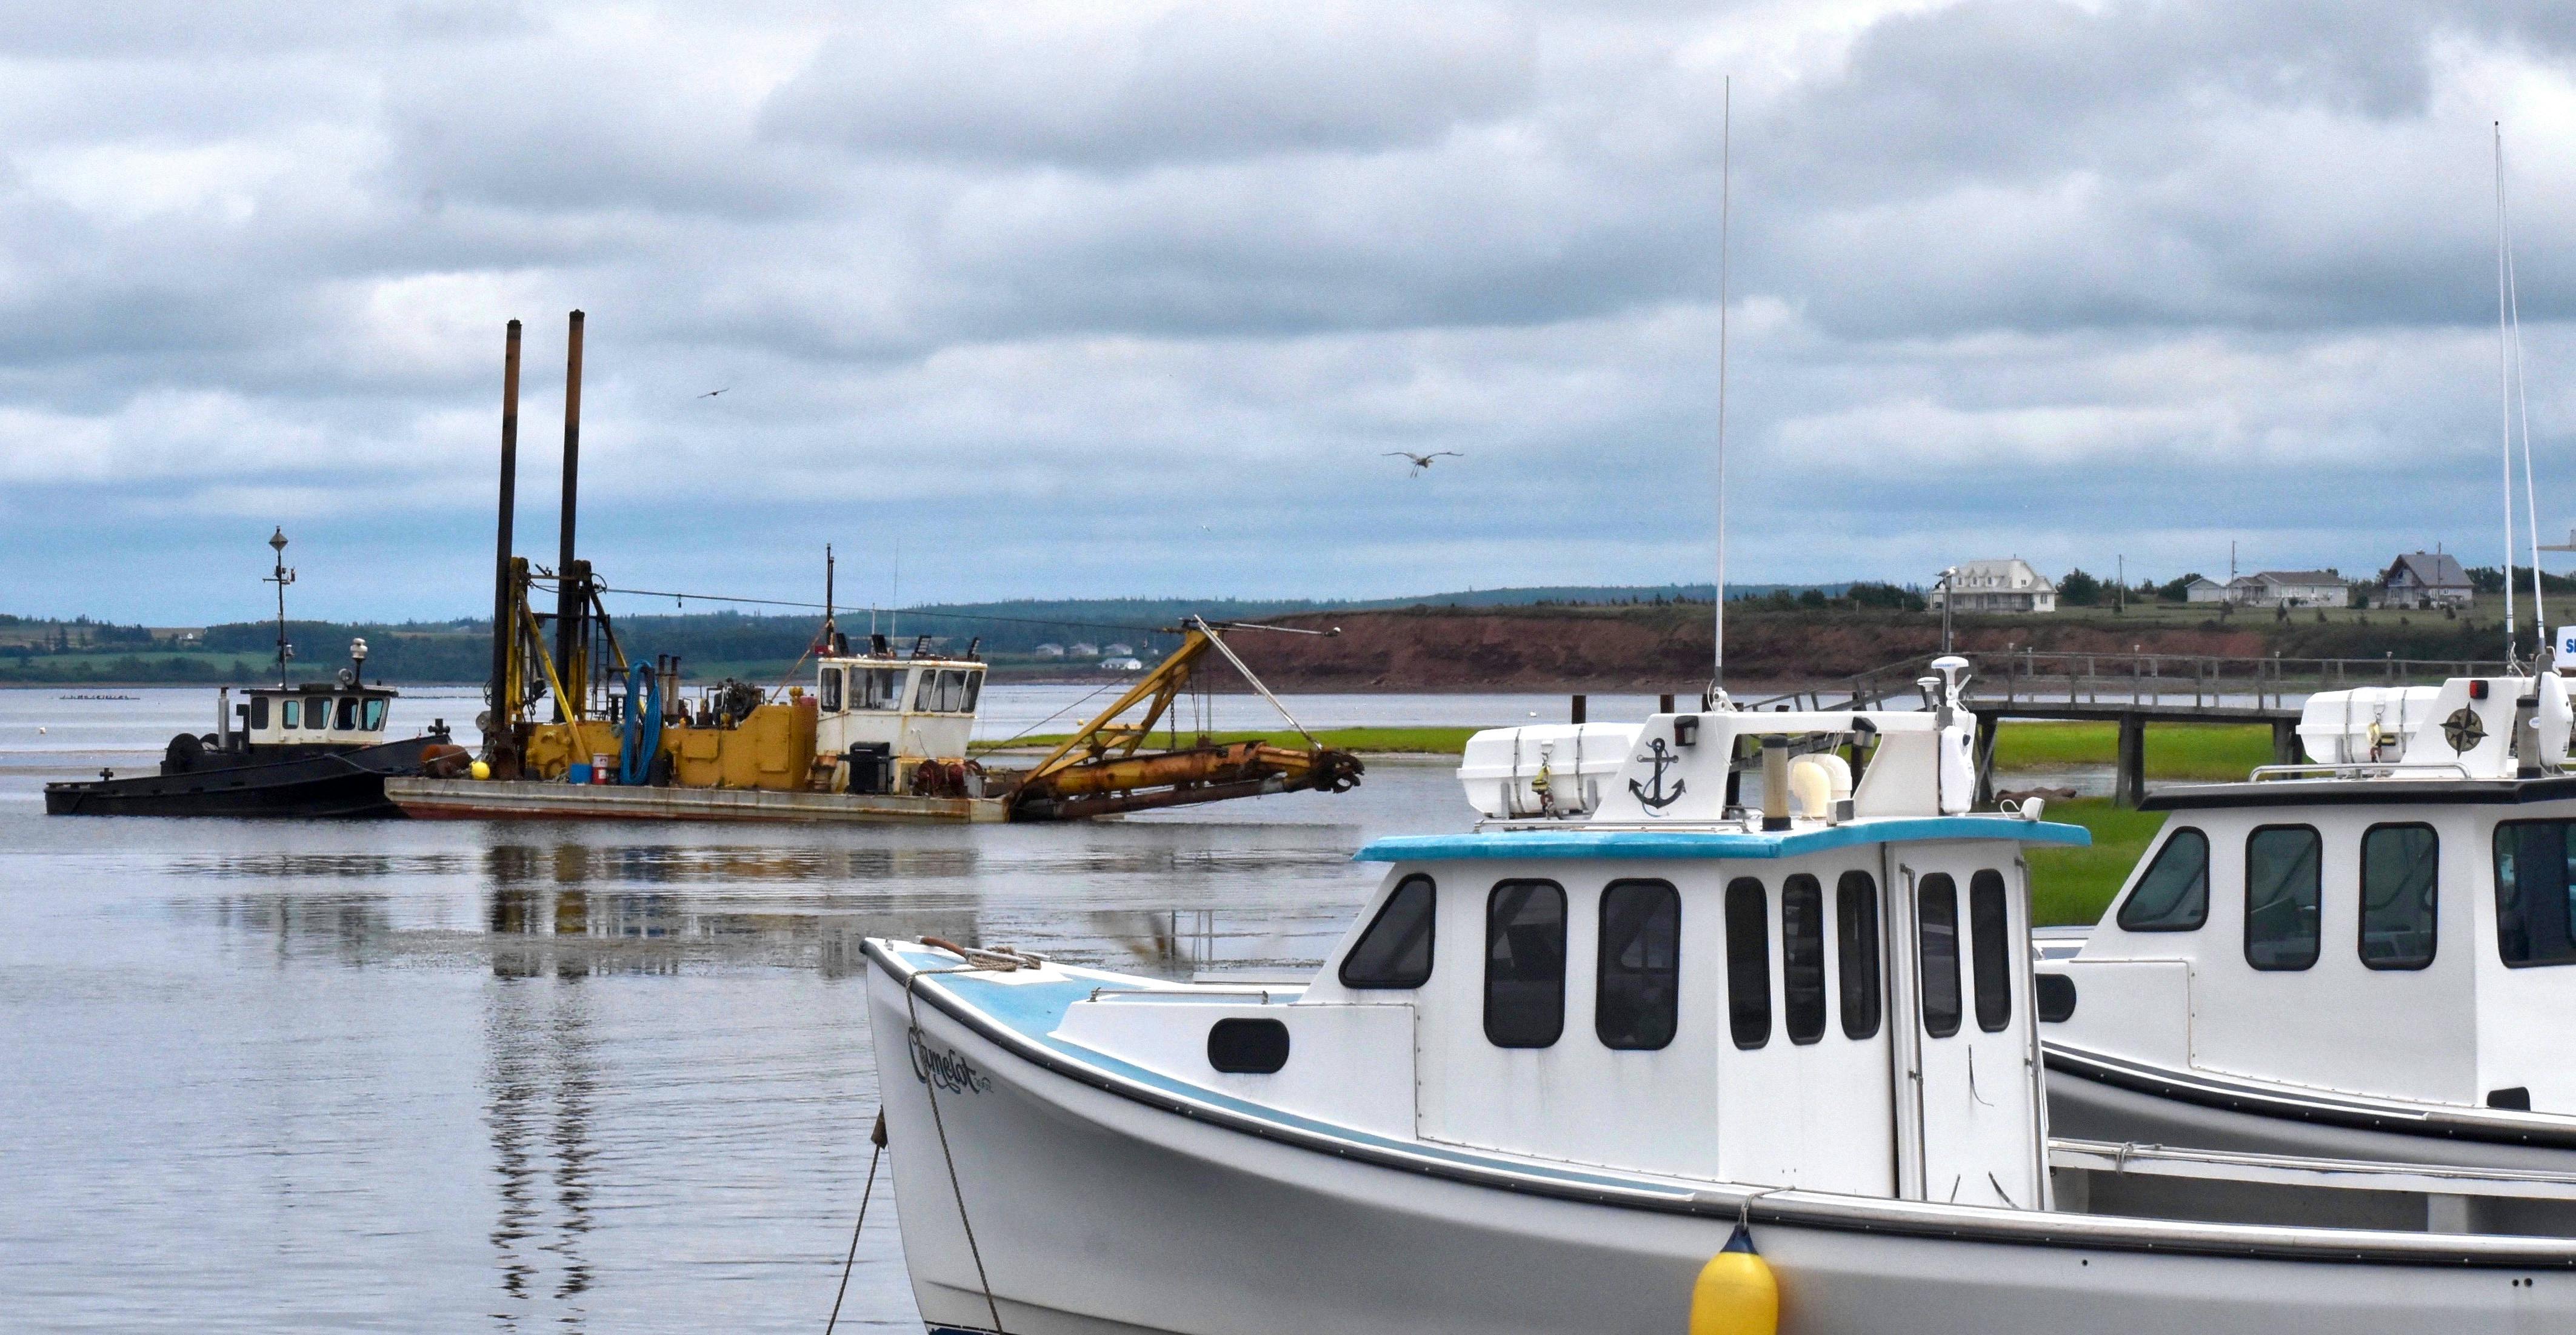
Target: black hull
[[344, 783]]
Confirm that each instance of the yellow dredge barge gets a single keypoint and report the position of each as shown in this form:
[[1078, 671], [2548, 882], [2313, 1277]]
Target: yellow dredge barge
[[881, 735]]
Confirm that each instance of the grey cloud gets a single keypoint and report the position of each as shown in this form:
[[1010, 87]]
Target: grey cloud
[[1119, 88]]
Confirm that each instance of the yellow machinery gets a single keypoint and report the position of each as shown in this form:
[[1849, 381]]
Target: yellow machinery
[[737, 738], [1103, 768]]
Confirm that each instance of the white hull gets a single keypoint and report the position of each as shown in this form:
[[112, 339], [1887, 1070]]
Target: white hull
[[1101, 1203]]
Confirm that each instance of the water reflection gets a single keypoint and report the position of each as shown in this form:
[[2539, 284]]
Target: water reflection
[[540, 1085]]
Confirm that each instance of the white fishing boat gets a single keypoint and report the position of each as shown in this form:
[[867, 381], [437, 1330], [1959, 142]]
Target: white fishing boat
[[2361, 959], [1564, 1061]]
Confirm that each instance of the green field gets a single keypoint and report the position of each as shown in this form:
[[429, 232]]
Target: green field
[[1420, 741], [2073, 885], [2174, 750]]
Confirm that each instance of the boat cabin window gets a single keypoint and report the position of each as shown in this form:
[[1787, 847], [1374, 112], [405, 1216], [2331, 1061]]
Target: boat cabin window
[[877, 688], [1525, 964], [1639, 993], [1395, 951], [947, 691], [1990, 950], [290, 713], [1802, 958], [2282, 887], [2398, 866], [375, 713], [1856, 933], [1748, 962], [827, 687], [2532, 891], [258, 712], [2174, 894], [348, 713], [1937, 950]]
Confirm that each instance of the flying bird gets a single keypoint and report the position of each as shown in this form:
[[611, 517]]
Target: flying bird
[[1422, 461], [714, 392]]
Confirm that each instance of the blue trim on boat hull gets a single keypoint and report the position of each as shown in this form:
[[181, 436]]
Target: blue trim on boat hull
[[1631, 844]]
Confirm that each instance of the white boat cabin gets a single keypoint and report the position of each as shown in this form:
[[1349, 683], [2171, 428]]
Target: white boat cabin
[[314, 714], [1829, 989], [912, 707], [2397, 920]]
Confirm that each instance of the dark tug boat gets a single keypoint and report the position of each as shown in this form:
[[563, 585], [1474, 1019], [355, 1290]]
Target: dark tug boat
[[316, 749]]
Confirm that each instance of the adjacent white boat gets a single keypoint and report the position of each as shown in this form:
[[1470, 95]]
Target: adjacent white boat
[[2360, 959], [1559, 1058]]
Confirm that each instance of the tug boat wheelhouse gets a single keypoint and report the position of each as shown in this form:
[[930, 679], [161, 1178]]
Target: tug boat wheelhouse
[[1565, 1059], [2364, 961]]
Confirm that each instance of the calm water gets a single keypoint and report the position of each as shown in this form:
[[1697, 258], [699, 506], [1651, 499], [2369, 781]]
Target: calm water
[[266, 1076]]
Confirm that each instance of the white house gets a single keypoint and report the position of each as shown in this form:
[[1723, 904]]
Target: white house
[[1049, 650], [2291, 588], [2425, 579], [2204, 590], [2007, 585]]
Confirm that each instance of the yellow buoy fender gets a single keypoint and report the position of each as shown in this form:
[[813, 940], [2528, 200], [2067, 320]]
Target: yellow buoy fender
[[1736, 1293], [480, 770]]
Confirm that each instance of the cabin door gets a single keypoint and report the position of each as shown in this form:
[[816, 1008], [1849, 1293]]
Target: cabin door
[[1966, 1061], [1802, 1082]]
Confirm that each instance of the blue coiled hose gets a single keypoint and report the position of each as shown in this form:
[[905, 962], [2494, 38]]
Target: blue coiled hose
[[642, 738]]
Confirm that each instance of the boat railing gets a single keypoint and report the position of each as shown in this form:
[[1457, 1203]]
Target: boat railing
[[2361, 769], [1184, 993]]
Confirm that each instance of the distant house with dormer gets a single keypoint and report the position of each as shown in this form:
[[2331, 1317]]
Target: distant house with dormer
[[2008, 585], [2426, 579]]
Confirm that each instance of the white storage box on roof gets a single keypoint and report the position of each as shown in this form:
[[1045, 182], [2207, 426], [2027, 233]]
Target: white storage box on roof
[[2365, 724], [1503, 767]]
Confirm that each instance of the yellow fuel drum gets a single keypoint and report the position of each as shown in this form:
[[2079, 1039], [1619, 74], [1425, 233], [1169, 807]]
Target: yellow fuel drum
[[1736, 1293]]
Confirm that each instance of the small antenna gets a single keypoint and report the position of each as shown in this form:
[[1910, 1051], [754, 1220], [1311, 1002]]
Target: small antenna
[[1725, 212], [2504, 394]]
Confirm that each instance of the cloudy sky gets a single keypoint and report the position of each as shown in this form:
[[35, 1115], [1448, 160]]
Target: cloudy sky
[[1132, 298]]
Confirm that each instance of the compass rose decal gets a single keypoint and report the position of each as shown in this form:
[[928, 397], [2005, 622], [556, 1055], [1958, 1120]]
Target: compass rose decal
[[2463, 730], [1662, 759]]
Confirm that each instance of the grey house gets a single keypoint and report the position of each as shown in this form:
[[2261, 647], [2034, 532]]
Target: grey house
[[2425, 579]]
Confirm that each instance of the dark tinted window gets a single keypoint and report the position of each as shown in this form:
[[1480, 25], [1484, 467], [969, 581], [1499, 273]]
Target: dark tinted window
[[1639, 991], [2174, 894], [1525, 964], [1990, 950], [259, 711], [1248, 1047], [2055, 997], [2398, 866], [2532, 878], [1937, 903], [1856, 939], [1748, 963], [828, 682], [1802, 958], [348, 713], [2281, 894], [1395, 951]]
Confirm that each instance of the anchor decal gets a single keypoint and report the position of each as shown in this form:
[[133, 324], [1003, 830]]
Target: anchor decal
[[1662, 760]]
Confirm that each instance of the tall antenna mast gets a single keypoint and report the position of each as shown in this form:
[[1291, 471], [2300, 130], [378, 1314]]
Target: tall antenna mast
[[2504, 394], [1725, 212], [2522, 412], [281, 578]]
